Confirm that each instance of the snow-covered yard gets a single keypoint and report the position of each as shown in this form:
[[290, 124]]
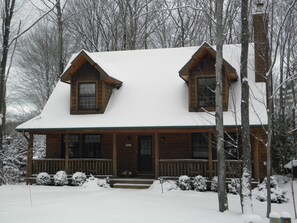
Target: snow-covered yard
[[22, 203]]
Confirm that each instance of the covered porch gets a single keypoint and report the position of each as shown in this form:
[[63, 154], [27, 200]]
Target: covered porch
[[148, 153]]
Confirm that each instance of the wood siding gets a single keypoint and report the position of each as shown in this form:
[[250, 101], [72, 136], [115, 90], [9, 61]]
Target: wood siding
[[175, 146], [53, 146]]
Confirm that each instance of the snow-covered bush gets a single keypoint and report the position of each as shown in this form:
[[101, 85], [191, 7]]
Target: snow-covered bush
[[234, 186], [78, 178], [199, 183], [93, 183], [103, 183], [43, 179], [167, 185], [184, 182], [60, 178], [214, 184], [278, 195]]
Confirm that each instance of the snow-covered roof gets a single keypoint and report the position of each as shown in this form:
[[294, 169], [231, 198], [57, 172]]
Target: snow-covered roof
[[152, 95]]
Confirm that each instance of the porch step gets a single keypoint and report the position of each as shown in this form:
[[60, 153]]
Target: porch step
[[134, 183]]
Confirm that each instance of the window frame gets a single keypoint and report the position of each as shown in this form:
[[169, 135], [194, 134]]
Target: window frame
[[96, 153], [198, 97], [205, 137], [229, 145], [79, 96]]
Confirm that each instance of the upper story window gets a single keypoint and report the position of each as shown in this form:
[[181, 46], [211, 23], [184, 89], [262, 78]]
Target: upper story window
[[206, 92], [87, 96]]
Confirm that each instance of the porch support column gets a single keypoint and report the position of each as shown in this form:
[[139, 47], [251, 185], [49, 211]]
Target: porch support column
[[210, 167], [114, 155], [66, 152], [29, 157], [256, 156], [157, 156]]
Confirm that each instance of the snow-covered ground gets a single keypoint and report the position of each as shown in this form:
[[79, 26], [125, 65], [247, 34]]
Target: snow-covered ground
[[34, 204]]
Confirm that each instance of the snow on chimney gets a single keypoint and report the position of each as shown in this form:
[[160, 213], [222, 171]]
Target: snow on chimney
[[260, 24]]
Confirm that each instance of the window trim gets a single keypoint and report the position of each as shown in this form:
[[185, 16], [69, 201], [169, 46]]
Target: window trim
[[79, 108], [202, 108], [81, 154], [203, 134], [85, 153]]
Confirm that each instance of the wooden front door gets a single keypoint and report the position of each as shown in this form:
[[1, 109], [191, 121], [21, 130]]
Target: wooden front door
[[145, 153]]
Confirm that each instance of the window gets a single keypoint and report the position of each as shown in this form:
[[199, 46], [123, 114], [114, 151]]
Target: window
[[206, 92], [92, 146], [231, 144], [200, 145], [73, 142], [87, 96]]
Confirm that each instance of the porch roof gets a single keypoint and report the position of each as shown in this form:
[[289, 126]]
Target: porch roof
[[152, 94]]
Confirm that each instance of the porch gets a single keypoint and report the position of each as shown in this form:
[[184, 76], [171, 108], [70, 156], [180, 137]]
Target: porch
[[145, 153], [167, 167]]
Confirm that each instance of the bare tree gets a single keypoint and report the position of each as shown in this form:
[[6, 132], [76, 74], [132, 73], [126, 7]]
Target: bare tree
[[246, 193], [222, 193]]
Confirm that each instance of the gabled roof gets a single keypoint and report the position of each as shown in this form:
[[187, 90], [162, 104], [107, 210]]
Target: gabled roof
[[81, 59], [204, 50], [153, 94]]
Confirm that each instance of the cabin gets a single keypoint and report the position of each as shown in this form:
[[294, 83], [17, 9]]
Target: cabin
[[150, 113]]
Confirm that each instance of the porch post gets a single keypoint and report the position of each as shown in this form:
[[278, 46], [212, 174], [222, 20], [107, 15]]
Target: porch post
[[157, 156], [66, 152], [114, 155], [210, 170], [256, 156], [29, 158]]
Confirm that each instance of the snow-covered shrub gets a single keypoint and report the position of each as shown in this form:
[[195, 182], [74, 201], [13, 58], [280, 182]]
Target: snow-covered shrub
[[60, 178], [278, 195], [93, 183], [43, 179], [78, 178], [167, 185], [103, 183], [184, 182], [234, 186], [199, 183], [214, 184]]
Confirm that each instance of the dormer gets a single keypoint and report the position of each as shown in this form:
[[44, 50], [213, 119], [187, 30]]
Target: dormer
[[91, 87], [199, 74]]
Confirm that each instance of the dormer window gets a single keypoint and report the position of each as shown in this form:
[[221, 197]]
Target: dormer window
[[206, 92], [199, 74], [87, 96]]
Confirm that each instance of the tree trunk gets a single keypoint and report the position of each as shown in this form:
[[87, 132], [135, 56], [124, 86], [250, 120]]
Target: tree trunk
[[60, 36], [7, 17], [222, 193], [246, 193]]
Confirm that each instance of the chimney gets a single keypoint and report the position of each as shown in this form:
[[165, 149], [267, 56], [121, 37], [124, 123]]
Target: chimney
[[260, 24]]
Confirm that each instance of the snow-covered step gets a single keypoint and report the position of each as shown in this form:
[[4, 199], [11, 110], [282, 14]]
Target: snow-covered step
[[131, 185]]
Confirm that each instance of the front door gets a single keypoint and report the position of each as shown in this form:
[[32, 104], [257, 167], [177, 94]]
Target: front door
[[145, 153]]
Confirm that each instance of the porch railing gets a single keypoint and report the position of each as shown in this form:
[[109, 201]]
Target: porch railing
[[102, 167], [177, 167], [194, 167]]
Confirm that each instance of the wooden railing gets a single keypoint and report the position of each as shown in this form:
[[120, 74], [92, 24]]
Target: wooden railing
[[233, 168], [102, 167], [194, 167], [51, 166], [178, 167]]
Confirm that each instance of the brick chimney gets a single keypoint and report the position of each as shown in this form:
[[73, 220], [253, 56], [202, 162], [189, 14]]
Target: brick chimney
[[260, 24]]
